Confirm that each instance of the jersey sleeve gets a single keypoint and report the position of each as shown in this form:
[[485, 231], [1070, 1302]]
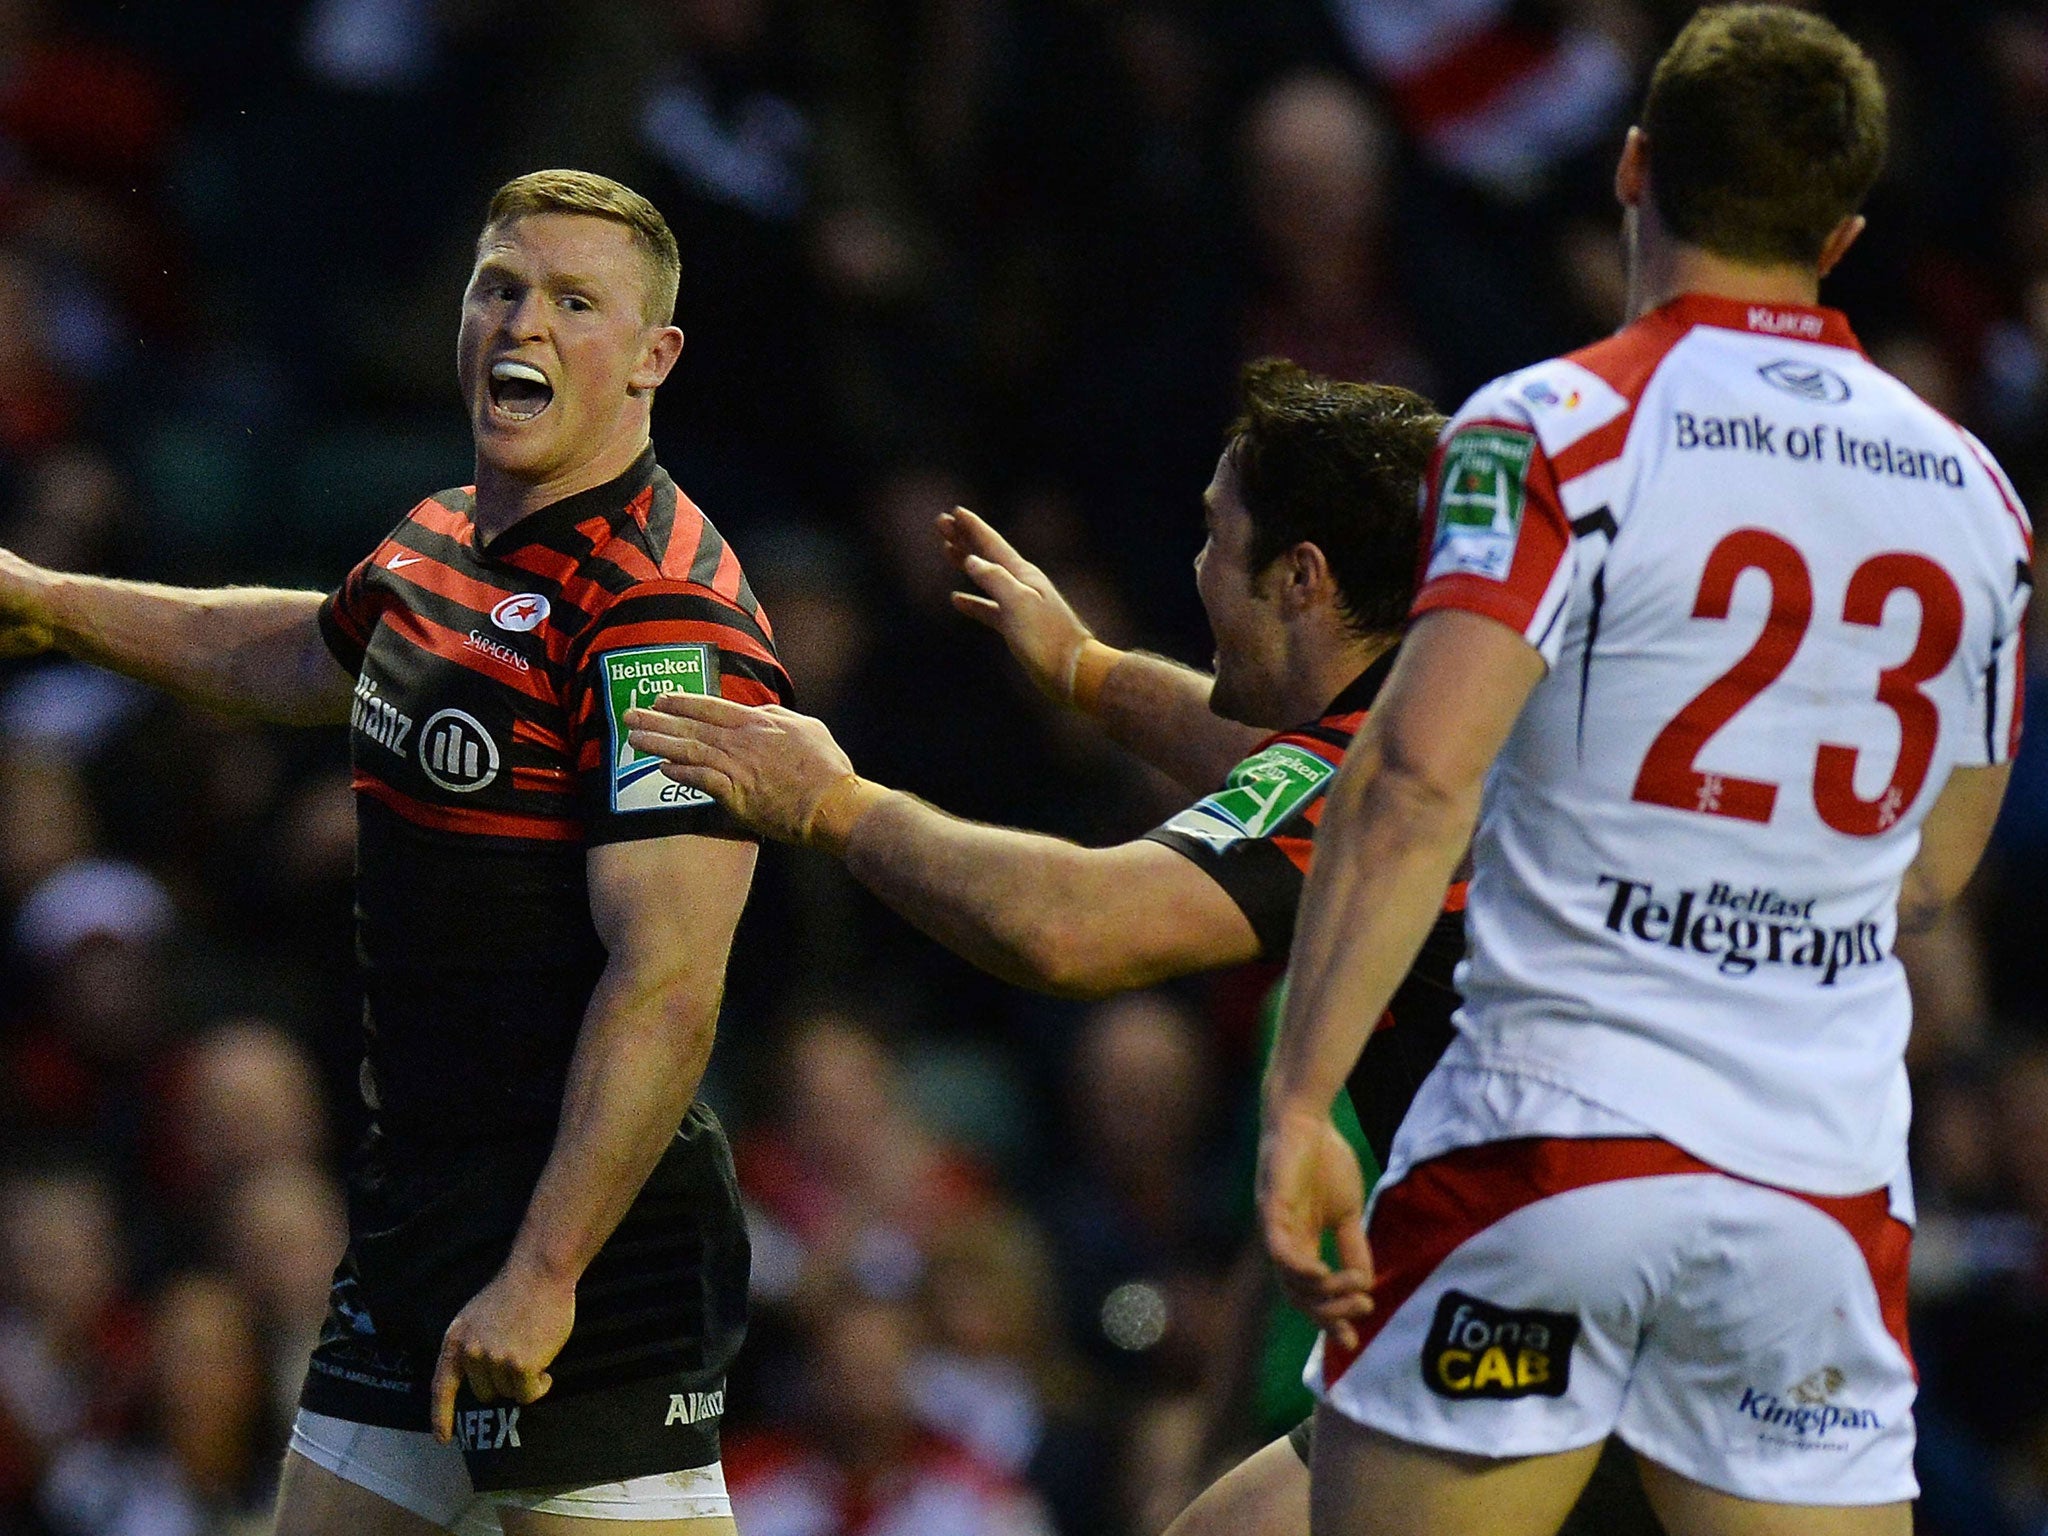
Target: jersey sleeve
[[2002, 686], [1499, 542], [660, 637], [348, 614], [1252, 837]]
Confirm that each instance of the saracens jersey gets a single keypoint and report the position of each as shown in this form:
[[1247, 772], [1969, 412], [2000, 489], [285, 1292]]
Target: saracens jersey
[[1254, 838], [1780, 599], [489, 749]]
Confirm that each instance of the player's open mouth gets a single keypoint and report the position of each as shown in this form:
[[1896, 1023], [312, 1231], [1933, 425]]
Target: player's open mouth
[[519, 391]]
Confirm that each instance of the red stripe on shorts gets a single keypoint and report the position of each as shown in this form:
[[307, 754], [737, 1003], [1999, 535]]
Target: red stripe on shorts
[[1418, 1223]]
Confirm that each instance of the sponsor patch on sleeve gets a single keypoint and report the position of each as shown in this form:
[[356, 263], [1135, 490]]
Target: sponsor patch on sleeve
[[634, 679], [1261, 793], [1476, 1349], [1480, 493]]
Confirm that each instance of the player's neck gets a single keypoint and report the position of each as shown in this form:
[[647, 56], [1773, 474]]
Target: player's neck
[[1339, 666], [502, 499], [1670, 270]]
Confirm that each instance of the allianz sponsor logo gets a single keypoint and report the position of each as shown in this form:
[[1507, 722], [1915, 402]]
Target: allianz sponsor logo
[[1740, 928], [1808, 1412], [694, 1407], [497, 651], [456, 752], [378, 718], [1822, 443], [488, 1429]]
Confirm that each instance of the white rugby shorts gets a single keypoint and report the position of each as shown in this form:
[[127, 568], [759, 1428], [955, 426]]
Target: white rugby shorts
[[1540, 1294], [413, 1470]]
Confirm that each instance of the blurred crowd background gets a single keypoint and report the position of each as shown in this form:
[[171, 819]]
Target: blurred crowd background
[[1006, 253]]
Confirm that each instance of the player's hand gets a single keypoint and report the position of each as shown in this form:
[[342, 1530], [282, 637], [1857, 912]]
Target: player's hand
[[27, 627], [1309, 1183], [1017, 601], [769, 766], [502, 1343]]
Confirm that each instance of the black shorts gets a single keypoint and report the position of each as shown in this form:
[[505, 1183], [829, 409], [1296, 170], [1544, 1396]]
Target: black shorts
[[1613, 1504], [660, 1313]]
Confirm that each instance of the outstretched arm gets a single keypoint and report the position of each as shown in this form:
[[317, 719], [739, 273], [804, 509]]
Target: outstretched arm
[[242, 650], [1034, 910], [1155, 709], [666, 908]]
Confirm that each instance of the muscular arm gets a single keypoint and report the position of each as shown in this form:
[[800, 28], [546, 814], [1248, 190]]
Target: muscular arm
[[1952, 840], [1043, 913], [1156, 709], [666, 909], [1399, 816], [251, 651], [1031, 909]]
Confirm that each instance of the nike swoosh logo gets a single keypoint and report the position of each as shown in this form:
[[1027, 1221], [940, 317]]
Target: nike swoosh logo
[[400, 562]]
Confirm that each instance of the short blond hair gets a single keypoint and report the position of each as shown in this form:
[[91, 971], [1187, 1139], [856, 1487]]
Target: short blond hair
[[586, 192]]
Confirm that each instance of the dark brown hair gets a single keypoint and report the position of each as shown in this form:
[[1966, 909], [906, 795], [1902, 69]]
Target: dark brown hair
[[1766, 129], [1339, 466], [599, 197]]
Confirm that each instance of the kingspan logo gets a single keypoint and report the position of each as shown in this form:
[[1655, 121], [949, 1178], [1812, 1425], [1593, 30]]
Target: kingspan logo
[[1740, 928], [1808, 1411]]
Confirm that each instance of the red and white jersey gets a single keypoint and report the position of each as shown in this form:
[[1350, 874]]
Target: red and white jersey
[[1780, 598]]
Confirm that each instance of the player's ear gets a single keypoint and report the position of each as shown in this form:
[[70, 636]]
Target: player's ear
[[1840, 238], [1307, 578], [1632, 171], [664, 346]]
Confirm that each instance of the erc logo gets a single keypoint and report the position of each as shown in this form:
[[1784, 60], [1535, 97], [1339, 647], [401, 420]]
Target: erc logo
[[1476, 1349]]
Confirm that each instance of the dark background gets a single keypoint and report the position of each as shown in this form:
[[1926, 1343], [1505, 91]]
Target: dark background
[[1009, 253]]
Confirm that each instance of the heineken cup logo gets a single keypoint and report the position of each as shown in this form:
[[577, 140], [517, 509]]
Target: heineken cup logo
[[634, 680]]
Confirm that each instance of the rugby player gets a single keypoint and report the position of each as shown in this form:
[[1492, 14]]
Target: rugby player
[[547, 1267], [1717, 648], [1305, 577]]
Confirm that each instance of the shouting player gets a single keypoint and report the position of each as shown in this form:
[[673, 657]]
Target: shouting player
[[1306, 576], [1717, 646], [547, 1268]]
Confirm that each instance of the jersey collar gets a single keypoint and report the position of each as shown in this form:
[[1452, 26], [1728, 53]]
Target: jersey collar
[[1359, 693], [1791, 322], [549, 523]]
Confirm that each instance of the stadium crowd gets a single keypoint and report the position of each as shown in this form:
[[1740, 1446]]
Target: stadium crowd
[[987, 252]]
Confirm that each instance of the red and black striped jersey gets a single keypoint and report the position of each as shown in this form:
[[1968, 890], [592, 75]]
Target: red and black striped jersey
[[489, 752], [1255, 837]]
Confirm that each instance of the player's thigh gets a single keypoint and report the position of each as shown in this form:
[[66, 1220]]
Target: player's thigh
[[1365, 1483], [312, 1501], [1266, 1494], [533, 1522], [1688, 1508]]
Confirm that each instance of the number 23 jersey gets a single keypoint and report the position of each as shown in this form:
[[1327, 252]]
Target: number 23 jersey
[[1780, 598]]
